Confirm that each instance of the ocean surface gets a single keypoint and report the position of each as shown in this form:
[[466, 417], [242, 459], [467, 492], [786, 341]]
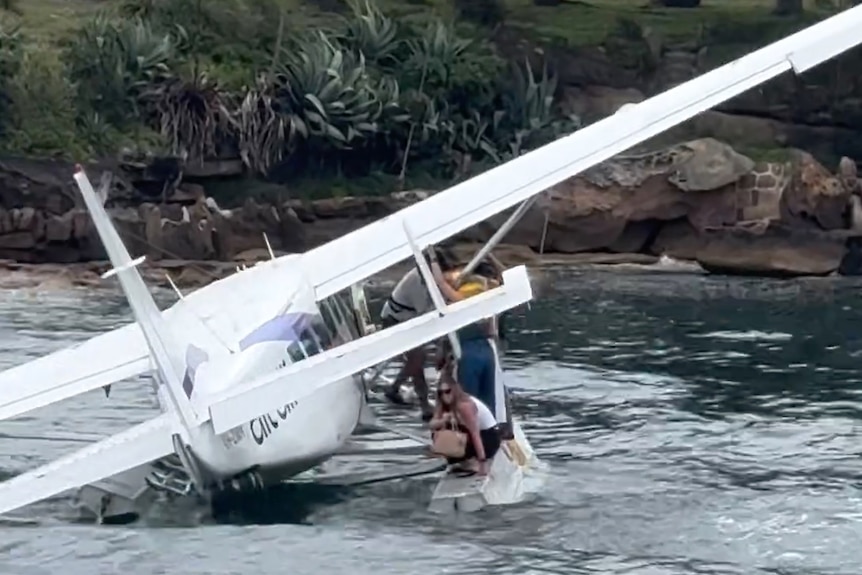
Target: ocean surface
[[690, 424]]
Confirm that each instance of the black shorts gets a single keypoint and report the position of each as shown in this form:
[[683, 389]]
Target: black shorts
[[491, 441]]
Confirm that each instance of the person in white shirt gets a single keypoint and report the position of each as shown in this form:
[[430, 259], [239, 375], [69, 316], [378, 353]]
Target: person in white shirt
[[408, 300], [470, 416]]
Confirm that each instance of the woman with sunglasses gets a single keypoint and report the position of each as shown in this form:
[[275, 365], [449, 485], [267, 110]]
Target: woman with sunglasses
[[455, 407]]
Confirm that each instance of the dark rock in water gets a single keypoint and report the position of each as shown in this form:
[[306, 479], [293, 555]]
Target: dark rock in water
[[851, 264]]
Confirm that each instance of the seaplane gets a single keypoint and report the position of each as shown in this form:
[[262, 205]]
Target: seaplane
[[262, 375]]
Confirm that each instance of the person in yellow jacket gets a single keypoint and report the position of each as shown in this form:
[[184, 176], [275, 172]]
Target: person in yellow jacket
[[476, 368]]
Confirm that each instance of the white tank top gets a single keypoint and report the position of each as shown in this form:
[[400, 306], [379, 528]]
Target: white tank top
[[486, 418]]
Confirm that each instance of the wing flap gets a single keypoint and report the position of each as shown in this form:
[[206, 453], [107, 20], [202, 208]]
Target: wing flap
[[238, 405], [138, 445]]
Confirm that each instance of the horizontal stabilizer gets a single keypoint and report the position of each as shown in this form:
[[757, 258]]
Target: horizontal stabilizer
[[136, 446], [237, 406], [90, 365]]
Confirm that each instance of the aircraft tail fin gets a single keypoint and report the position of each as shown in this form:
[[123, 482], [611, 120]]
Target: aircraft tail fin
[[177, 378]]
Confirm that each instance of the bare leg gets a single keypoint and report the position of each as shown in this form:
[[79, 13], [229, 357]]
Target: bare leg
[[392, 394], [414, 369]]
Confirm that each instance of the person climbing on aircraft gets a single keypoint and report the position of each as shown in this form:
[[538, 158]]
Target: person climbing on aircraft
[[463, 413], [408, 300], [476, 368]]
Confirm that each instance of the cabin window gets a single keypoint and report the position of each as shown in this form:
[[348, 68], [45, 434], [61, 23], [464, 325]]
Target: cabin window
[[330, 318], [294, 351], [343, 326], [344, 303], [309, 342], [322, 332]]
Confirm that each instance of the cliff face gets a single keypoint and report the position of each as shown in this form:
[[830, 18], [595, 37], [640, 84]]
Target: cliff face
[[819, 111], [699, 200]]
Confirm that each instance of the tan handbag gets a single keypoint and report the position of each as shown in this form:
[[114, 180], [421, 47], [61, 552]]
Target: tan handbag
[[449, 442]]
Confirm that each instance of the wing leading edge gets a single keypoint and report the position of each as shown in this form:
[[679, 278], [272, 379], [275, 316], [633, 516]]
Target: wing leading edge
[[368, 250]]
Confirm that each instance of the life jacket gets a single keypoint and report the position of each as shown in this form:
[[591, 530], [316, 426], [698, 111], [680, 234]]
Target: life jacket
[[476, 284]]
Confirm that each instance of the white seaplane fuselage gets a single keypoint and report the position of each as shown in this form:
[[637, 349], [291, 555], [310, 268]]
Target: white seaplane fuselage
[[290, 438], [279, 444]]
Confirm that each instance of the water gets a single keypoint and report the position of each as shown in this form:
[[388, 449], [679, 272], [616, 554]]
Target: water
[[691, 425]]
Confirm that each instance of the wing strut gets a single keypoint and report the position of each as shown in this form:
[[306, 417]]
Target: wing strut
[[431, 285]]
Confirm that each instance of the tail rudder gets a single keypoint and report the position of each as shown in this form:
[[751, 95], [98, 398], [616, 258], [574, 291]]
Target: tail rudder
[[177, 374]]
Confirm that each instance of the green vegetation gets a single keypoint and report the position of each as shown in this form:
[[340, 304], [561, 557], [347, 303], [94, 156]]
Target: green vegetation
[[352, 96], [352, 91]]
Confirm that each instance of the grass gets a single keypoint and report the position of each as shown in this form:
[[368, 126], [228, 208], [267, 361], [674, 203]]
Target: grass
[[588, 23], [49, 21], [573, 23]]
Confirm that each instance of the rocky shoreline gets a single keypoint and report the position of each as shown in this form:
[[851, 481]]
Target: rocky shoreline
[[698, 201]]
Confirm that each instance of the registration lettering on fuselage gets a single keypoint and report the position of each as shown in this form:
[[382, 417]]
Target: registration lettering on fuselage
[[263, 426]]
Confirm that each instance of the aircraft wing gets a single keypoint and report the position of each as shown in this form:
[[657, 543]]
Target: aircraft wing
[[368, 250], [135, 446], [238, 405], [77, 369]]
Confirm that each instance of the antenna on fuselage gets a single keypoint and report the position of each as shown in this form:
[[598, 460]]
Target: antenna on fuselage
[[268, 247], [174, 286]]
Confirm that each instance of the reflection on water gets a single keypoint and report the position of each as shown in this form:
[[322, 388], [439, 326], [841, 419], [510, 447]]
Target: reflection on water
[[692, 425]]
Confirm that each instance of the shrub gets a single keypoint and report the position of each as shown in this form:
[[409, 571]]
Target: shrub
[[373, 94], [10, 64], [114, 62], [42, 109]]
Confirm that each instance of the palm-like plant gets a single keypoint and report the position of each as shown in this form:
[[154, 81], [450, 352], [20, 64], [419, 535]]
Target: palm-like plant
[[369, 32], [115, 62], [530, 117], [193, 115], [322, 97]]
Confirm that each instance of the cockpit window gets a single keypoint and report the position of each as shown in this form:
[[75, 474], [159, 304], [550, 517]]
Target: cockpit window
[[342, 302], [330, 317], [309, 342], [324, 335], [294, 351]]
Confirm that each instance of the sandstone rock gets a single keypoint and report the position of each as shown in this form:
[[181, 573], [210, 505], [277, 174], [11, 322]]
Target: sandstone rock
[[816, 194], [697, 200], [777, 252], [17, 241], [59, 228]]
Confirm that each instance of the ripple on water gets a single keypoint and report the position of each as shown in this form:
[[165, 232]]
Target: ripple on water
[[691, 424]]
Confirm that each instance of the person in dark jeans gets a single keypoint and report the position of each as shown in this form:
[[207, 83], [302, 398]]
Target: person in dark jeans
[[476, 366]]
